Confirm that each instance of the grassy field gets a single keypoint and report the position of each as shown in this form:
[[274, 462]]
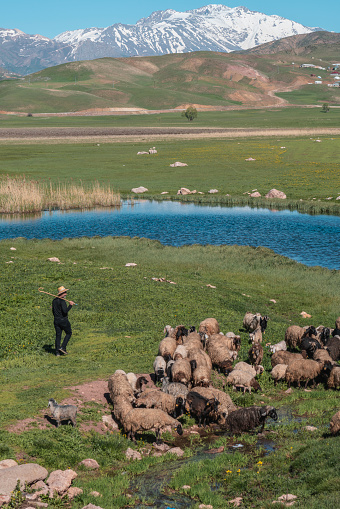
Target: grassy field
[[290, 117], [118, 323], [301, 167]]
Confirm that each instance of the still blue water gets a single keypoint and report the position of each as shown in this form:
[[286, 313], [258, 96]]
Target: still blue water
[[312, 240]]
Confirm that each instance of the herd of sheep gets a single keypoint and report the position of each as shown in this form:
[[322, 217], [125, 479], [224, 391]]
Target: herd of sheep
[[183, 369]]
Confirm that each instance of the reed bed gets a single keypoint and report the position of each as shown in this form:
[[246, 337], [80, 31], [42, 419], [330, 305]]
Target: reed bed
[[19, 195]]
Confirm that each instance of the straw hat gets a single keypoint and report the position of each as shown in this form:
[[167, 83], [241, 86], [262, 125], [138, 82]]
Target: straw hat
[[62, 289]]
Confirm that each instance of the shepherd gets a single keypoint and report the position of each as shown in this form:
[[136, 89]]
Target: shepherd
[[61, 322]]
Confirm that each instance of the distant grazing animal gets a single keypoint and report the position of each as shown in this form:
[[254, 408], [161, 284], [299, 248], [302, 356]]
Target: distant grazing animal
[[335, 424], [255, 354]]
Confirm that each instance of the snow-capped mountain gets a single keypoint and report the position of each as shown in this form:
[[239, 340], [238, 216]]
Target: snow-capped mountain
[[209, 28]]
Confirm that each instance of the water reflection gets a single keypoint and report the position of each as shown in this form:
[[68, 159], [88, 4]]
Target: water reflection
[[312, 240]]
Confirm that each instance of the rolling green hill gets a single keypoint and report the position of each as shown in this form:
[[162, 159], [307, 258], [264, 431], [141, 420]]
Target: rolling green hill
[[269, 76]]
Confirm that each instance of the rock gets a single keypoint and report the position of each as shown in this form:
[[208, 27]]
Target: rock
[[13, 248], [177, 163], [139, 153], [183, 191], [40, 486], [139, 189], [213, 191], [186, 487], [272, 300], [161, 447], [96, 494], [28, 473], [91, 506], [236, 501], [165, 192], [250, 159], [109, 422], [176, 450], [157, 454], [130, 454], [60, 481], [53, 259], [5, 499], [203, 506], [74, 492], [210, 286], [90, 463], [274, 193], [305, 315], [256, 194], [289, 391], [215, 451], [310, 428], [338, 198], [287, 498], [152, 150], [8, 463], [131, 264]]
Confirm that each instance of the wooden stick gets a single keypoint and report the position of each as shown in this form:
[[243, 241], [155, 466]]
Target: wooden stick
[[63, 298]]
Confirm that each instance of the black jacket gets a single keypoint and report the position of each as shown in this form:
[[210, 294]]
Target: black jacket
[[60, 309]]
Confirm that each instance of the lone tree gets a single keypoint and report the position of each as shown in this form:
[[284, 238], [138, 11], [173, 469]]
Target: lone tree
[[325, 108], [190, 113]]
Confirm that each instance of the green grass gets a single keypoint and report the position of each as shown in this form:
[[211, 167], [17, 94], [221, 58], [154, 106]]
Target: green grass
[[119, 322], [303, 168]]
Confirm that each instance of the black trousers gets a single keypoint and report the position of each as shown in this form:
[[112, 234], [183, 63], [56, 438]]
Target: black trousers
[[60, 326]]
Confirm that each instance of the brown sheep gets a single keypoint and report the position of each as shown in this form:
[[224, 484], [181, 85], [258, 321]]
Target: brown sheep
[[167, 347], [148, 419], [155, 398], [251, 321], [180, 371], [334, 378], [221, 357], [226, 405], [244, 380], [193, 342], [303, 370], [335, 424], [201, 367], [279, 372], [284, 357], [256, 336], [293, 336], [322, 355], [255, 354], [209, 326], [119, 385]]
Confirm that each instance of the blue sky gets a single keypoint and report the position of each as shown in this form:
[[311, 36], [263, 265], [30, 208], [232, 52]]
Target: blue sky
[[50, 19]]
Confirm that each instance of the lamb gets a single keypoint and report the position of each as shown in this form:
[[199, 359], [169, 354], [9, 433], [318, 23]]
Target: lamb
[[167, 348], [181, 371], [305, 370], [149, 419], [333, 348], [246, 419], [63, 412], [119, 386], [334, 425], [155, 398], [180, 352], [293, 336], [225, 407], [279, 346], [256, 336], [220, 355], [244, 380], [255, 354], [209, 326], [279, 372], [174, 388], [334, 378], [283, 357], [159, 367], [201, 407]]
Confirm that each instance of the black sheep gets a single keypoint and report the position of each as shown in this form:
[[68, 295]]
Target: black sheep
[[246, 419], [325, 335], [200, 407], [309, 345], [263, 322], [333, 348]]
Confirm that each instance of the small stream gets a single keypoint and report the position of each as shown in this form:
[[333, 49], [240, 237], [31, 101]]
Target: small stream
[[309, 239]]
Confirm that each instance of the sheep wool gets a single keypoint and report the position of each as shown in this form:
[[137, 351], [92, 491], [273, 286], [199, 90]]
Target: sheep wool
[[180, 352], [334, 378], [244, 380], [220, 355], [334, 425], [118, 385], [279, 372], [159, 367], [155, 398], [226, 405], [121, 407], [63, 412], [244, 366], [281, 346], [293, 336], [283, 357], [322, 355], [181, 371], [256, 336], [246, 419], [167, 348], [251, 321], [149, 419], [303, 370], [175, 389], [209, 326]]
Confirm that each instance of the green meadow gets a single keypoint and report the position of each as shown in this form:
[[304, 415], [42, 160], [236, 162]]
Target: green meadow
[[118, 322], [305, 169]]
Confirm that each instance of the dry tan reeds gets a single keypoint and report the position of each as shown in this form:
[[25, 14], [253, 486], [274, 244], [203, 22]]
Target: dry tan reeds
[[21, 195]]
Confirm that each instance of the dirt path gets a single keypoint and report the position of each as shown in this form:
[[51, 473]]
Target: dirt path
[[111, 134]]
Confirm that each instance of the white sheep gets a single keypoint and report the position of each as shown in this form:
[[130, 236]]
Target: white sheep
[[159, 367], [279, 372], [279, 346]]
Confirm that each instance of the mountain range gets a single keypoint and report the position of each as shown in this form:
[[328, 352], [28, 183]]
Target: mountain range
[[210, 28]]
